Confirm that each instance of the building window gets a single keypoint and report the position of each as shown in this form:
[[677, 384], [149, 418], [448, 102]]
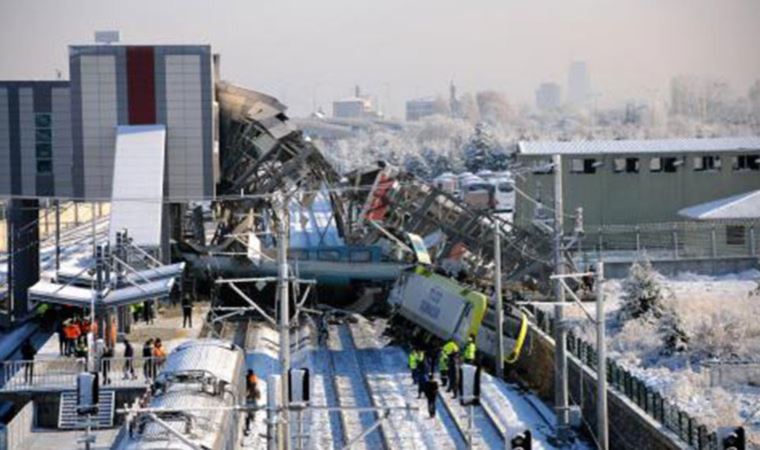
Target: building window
[[746, 162], [671, 164], [655, 164], [735, 235], [43, 141], [587, 165], [43, 135], [44, 166], [42, 120], [543, 168], [627, 165], [705, 163]]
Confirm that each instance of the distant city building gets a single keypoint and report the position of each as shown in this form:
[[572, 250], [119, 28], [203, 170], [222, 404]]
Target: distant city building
[[578, 83], [455, 106], [356, 107], [548, 96], [424, 107]]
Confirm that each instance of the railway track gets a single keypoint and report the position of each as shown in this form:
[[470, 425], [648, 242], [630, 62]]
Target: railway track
[[352, 391], [391, 385]]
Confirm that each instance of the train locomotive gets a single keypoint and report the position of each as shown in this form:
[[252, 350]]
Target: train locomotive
[[434, 305], [193, 403]]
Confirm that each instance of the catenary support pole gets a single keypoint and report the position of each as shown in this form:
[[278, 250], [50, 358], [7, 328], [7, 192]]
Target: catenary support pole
[[92, 216], [601, 363], [561, 402], [498, 299], [57, 235], [283, 287]]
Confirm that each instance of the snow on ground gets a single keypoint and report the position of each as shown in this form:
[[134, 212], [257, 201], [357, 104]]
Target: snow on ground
[[720, 318]]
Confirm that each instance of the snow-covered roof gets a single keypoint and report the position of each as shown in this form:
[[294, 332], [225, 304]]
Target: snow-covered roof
[[749, 143], [742, 206]]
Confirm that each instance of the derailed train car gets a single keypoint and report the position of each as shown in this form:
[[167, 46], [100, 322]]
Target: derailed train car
[[194, 400], [445, 309]]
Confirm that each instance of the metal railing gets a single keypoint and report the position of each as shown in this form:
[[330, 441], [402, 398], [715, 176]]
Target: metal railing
[[61, 373], [666, 412], [672, 241]]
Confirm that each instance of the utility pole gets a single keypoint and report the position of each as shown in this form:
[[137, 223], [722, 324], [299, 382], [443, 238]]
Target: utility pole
[[601, 363], [561, 402], [283, 285], [497, 298]]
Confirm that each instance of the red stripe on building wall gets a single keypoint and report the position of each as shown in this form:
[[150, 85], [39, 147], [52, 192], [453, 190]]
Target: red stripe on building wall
[[141, 86]]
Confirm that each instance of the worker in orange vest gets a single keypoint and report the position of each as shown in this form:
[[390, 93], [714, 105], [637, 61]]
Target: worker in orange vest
[[252, 397], [71, 333], [159, 355]]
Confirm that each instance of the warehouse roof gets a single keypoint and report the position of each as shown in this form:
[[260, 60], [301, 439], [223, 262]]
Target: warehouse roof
[[751, 143], [742, 206]]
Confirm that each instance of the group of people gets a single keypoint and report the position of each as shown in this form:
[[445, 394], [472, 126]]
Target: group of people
[[447, 360], [144, 310], [72, 336]]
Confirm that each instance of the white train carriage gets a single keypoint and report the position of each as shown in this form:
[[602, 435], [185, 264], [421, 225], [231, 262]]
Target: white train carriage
[[193, 403]]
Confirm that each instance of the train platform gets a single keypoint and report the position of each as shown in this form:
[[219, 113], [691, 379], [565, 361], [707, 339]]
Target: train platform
[[52, 439], [51, 372]]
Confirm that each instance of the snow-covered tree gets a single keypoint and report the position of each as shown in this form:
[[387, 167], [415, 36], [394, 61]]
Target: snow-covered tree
[[644, 298], [643, 295]]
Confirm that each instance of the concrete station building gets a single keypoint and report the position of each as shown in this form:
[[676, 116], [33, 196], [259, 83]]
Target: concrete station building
[[59, 139]]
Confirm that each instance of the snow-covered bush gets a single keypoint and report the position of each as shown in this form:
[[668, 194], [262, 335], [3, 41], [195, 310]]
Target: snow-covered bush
[[719, 335]]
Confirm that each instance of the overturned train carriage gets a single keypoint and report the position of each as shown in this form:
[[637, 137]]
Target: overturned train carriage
[[194, 400], [448, 310]]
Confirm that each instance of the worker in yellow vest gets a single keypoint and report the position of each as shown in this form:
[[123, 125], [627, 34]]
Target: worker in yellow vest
[[469, 350]]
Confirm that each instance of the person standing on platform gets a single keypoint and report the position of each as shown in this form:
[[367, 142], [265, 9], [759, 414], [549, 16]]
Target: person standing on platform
[[105, 364], [27, 354], [187, 311], [59, 328], [147, 353], [129, 364]]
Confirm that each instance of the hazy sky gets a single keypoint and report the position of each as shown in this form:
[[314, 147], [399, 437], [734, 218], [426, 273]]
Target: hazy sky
[[315, 50]]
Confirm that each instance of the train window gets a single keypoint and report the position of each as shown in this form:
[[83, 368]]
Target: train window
[[300, 255], [655, 164], [506, 187], [328, 255], [360, 256]]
